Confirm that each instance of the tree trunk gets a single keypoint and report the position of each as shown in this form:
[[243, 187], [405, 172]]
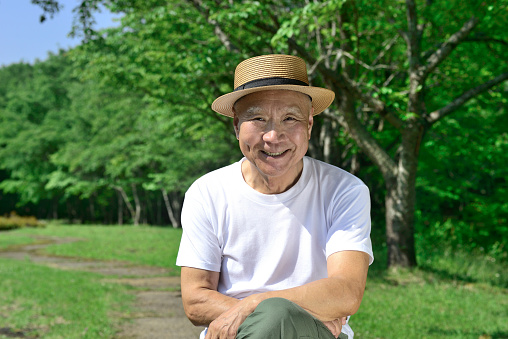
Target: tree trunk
[[55, 208], [174, 221], [137, 213], [120, 208], [134, 213], [92, 207], [158, 210], [400, 178], [148, 215], [326, 141], [400, 203], [176, 203]]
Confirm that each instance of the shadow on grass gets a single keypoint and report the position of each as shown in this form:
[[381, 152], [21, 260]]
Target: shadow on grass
[[434, 265], [10, 333], [436, 332], [445, 275]]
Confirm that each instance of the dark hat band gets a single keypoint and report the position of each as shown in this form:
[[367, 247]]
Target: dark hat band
[[270, 82]]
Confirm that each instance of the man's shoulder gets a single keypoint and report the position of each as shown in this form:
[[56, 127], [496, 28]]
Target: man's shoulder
[[326, 173], [218, 178]]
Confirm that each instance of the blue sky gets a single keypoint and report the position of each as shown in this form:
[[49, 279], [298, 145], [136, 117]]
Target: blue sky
[[24, 38]]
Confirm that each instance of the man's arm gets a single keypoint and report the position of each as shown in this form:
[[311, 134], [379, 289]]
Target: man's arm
[[340, 294], [329, 299]]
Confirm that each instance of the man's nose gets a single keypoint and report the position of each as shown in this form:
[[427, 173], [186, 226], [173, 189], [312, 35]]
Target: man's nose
[[274, 132]]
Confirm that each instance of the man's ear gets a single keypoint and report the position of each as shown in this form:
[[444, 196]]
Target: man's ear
[[236, 125], [311, 120]]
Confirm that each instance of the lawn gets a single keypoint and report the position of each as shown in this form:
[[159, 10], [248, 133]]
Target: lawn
[[152, 246], [39, 301], [453, 295]]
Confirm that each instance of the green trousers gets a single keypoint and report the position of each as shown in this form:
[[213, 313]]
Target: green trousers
[[278, 318]]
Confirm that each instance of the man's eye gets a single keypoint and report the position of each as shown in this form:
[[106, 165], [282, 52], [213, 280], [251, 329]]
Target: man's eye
[[290, 119]]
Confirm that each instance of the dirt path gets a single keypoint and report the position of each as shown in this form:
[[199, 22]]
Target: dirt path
[[158, 311]]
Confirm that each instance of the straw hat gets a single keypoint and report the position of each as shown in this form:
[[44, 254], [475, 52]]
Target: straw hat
[[269, 72]]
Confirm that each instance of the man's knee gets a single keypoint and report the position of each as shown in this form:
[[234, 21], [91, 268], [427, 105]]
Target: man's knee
[[278, 307], [274, 318]]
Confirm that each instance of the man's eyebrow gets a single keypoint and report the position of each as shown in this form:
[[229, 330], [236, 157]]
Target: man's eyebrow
[[294, 109], [253, 110]]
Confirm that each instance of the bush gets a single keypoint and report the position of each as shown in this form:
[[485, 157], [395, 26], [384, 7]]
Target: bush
[[15, 221]]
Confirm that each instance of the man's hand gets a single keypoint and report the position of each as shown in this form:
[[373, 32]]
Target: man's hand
[[227, 324], [335, 326]]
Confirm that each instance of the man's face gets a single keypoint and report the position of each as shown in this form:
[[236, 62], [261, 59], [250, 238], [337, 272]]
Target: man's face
[[273, 129]]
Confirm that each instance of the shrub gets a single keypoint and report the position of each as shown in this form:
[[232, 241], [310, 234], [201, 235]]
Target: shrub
[[15, 221]]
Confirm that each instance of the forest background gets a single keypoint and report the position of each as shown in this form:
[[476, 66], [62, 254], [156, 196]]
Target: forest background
[[115, 130]]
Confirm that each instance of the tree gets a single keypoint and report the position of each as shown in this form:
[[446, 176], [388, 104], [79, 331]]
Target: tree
[[397, 69], [332, 37], [33, 97]]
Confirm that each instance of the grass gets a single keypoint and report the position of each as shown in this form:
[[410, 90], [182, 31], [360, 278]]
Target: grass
[[452, 295], [144, 245], [417, 304], [9, 241], [38, 301]]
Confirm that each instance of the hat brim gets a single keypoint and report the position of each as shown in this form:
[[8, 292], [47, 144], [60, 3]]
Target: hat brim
[[321, 97]]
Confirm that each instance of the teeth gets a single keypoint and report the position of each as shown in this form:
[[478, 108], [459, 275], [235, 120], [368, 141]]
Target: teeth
[[273, 154]]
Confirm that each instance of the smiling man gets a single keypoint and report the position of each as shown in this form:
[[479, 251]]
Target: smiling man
[[278, 244]]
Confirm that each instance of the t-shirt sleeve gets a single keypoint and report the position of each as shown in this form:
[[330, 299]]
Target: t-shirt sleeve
[[350, 223], [199, 246]]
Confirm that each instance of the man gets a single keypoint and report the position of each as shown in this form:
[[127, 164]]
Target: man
[[276, 245]]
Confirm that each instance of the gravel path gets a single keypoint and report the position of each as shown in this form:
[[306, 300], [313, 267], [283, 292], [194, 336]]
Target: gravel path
[[158, 311]]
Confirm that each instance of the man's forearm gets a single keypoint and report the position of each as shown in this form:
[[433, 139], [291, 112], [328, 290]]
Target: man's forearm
[[204, 306], [334, 297], [326, 299], [337, 296]]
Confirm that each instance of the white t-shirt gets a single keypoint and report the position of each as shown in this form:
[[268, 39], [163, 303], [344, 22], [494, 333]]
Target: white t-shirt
[[266, 242]]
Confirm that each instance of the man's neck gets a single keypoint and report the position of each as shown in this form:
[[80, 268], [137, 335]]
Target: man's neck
[[267, 184]]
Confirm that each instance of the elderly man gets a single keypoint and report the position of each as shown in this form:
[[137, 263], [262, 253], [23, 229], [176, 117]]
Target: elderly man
[[278, 244]]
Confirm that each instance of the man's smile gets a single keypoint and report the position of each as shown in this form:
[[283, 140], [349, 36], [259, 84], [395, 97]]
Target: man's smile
[[274, 154]]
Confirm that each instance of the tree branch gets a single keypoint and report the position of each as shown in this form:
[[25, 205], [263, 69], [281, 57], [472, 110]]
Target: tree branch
[[439, 55], [341, 81], [223, 37], [375, 104], [412, 37], [486, 39], [464, 97], [50, 7], [386, 48], [370, 146], [363, 64]]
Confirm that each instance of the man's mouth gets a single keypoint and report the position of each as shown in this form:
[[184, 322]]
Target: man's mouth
[[274, 154]]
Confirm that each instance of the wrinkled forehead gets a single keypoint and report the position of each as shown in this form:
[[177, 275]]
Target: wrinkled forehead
[[289, 101]]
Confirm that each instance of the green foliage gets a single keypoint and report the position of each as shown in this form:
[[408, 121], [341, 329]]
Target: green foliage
[[129, 109], [462, 184], [107, 134], [27, 134]]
